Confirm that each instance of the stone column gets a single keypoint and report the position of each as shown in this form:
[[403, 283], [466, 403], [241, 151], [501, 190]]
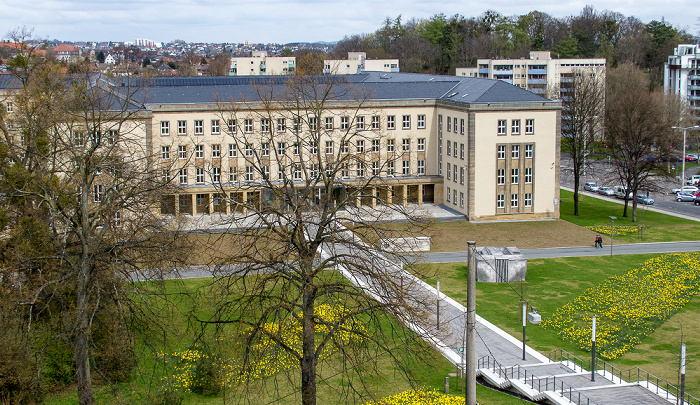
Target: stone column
[[210, 207], [404, 192], [420, 194]]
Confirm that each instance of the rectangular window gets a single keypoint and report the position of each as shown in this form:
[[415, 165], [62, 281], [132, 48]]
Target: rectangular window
[[165, 128], [461, 126], [249, 173], [199, 151], [528, 199], [406, 167], [449, 124], [449, 148], [182, 152], [375, 168], [461, 151], [421, 144], [281, 148], [9, 106], [248, 150], [295, 149], [528, 175], [529, 151], [345, 170], [514, 176], [216, 174], [375, 145], [344, 147], [198, 127], [313, 147], [232, 174], [449, 171], [390, 122], [421, 167], [97, 193], [406, 122], [313, 124], [501, 177], [182, 127], [501, 201], [313, 170], [232, 126], [216, 151], [165, 174], [390, 145], [297, 172], [248, 125], [295, 125], [165, 152], [461, 175], [266, 172], [360, 124], [515, 151], [454, 173], [390, 168], [360, 146], [265, 149], [329, 123], [461, 199], [344, 123], [182, 175], [406, 142], [501, 151], [265, 125], [375, 122], [515, 127], [455, 124], [199, 175], [529, 127], [360, 169], [501, 127], [112, 136], [514, 201], [281, 126], [280, 173], [215, 127], [232, 152], [449, 195], [329, 147], [421, 121]]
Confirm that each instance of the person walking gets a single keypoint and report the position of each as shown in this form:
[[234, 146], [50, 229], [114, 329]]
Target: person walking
[[598, 241]]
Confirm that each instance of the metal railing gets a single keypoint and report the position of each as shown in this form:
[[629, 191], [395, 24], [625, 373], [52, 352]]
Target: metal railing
[[518, 372], [635, 375]]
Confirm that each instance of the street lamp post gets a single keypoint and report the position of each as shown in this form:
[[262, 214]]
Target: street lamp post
[[685, 129], [612, 232]]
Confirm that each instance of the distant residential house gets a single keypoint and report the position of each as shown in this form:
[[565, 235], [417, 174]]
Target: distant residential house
[[110, 60], [67, 53], [259, 64], [357, 62]]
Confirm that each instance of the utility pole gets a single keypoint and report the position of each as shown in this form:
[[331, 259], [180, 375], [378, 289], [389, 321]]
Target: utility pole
[[470, 397]]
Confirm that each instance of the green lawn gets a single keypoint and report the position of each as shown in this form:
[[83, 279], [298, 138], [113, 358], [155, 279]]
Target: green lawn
[[552, 283], [657, 227]]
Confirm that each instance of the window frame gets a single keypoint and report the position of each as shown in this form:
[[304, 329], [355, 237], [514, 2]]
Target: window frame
[[165, 128], [501, 127]]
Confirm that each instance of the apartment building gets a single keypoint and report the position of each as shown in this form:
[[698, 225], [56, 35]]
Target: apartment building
[[260, 64], [682, 76], [357, 62], [481, 147]]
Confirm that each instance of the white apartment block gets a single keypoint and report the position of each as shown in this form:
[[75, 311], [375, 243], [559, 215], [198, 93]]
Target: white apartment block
[[259, 64], [357, 62], [682, 75], [481, 147], [539, 74]]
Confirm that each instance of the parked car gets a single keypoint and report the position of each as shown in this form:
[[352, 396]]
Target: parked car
[[691, 157], [621, 192], [685, 189], [644, 199], [590, 186], [605, 191], [693, 180], [696, 201], [685, 196]]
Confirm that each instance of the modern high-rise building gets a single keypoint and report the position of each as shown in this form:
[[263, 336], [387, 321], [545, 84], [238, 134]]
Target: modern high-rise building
[[260, 64], [682, 76], [357, 62]]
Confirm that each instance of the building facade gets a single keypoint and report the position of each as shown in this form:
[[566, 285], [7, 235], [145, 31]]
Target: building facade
[[357, 62], [481, 147], [259, 64], [682, 76]]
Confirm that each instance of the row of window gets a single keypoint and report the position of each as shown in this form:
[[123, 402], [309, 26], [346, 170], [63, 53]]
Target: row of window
[[452, 123], [515, 127], [266, 125], [514, 176], [452, 197], [515, 151], [452, 173], [514, 200], [359, 169], [461, 149], [216, 151]]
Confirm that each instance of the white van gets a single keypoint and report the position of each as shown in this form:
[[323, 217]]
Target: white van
[[693, 180], [621, 192]]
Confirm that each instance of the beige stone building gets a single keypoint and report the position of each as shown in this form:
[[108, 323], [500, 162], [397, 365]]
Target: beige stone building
[[357, 62], [484, 148], [260, 64]]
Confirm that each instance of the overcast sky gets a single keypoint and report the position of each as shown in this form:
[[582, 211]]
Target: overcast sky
[[282, 21]]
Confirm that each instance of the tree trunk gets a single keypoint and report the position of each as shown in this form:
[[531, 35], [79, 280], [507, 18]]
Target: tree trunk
[[577, 182], [81, 340], [308, 359]]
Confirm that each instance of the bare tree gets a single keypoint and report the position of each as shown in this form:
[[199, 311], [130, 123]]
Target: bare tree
[[219, 66], [78, 175], [305, 241], [583, 99]]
